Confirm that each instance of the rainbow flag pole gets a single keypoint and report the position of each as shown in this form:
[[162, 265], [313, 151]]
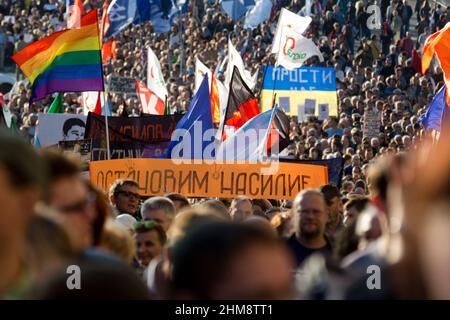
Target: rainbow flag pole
[[104, 26], [65, 61], [105, 94]]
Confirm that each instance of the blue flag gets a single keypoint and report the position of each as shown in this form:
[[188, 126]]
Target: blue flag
[[121, 13], [193, 137], [162, 13], [143, 12], [435, 114], [182, 5], [106, 108]]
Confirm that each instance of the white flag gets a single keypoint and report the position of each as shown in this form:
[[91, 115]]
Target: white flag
[[7, 115], [235, 59], [258, 14], [155, 78], [223, 96], [295, 49], [308, 7], [200, 71], [90, 101], [290, 20], [255, 77]]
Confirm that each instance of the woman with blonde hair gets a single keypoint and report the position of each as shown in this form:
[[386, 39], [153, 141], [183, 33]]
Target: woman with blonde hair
[[117, 240]]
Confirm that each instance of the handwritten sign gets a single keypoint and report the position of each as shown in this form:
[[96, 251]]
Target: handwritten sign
[[122, 85], [372, 123], [159, 176]]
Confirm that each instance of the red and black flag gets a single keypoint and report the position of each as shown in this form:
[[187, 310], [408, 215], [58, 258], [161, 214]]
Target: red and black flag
[[242, 104]]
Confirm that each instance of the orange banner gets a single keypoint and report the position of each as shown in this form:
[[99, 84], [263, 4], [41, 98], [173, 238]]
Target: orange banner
[[275, 180]]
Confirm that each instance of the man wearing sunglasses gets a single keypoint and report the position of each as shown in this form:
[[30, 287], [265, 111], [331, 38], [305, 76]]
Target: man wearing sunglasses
[[124, 196]]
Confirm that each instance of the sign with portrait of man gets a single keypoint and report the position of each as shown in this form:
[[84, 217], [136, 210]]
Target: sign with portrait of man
[[73, 129], [55, 127]]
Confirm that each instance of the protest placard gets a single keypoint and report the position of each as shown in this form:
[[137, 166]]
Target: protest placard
[[372, 123], [225, 180], [122, 85], [135, 137], [311, 87], [79, 149], [55, 127]]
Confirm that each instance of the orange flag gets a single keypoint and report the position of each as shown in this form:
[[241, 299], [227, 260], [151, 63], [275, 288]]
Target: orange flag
[[439, 43], [215, 102], [105, 18], [108, 50]]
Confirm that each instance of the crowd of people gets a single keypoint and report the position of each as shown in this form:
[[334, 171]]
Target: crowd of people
[[388, 244], [389, 210]]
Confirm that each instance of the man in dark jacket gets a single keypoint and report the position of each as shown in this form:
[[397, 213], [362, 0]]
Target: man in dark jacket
[[405, 11]]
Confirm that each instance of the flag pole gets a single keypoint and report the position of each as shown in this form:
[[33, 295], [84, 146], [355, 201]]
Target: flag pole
[[262, 82], [180, 38], [266, 137], [274, 95], [105, 94], [276, 71]]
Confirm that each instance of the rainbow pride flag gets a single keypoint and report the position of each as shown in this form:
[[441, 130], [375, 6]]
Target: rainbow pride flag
[[66, 61]]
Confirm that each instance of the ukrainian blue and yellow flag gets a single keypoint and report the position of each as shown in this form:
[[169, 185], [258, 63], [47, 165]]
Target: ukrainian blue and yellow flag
[[301, 92]]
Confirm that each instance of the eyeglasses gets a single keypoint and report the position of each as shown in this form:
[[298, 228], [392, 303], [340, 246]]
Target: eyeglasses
[[129, 194], [80, 206], [147, 224]]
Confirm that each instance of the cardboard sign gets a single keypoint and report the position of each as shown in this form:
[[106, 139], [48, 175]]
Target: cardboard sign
[[372, 123], [80, 149], [55, 127], [159, 176]]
